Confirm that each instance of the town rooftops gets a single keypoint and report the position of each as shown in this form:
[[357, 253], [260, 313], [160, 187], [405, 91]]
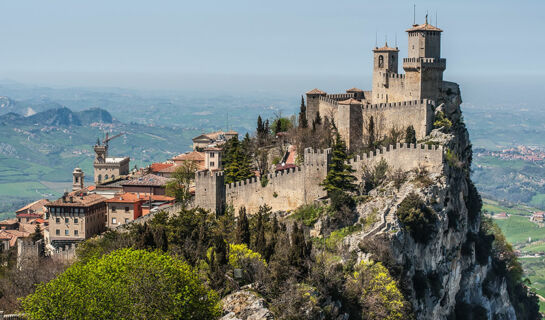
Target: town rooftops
[[130, 197], [189, 156], [82, 200], [316, 91], [350, 101], [157, 167], [213, 136], [424, 27], [150, 180], [12, 236], [35, 206]]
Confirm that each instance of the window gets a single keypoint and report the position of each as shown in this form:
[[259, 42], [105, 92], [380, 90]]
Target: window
[[66, 220], [75, 220], [212, 164], [114, 221], [100, 176], [212, 154], [113, 209], [67, 232], [58, 232], [381, 61], [106, 177], [75, 232], [58, 220], [77, 180], [126, 209]]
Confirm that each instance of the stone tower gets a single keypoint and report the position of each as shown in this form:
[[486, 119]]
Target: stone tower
[[77, 179], [101, 152], [424, 66], [385, 65]]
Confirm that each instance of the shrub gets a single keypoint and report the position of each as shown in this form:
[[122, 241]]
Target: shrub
[[374, 176], [264, 181], [453, 160], [370, 219], [398, 177], [238, 253], [422, 176], [275, 195], [125, 284], [417, 218], [376, 292], [308, 214], [276, 160], [442, 121]]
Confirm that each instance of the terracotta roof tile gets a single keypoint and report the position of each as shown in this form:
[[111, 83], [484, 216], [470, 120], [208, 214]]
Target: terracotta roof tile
[[354, 90], [34, 206], [316, 91], [157, 167], [424, 27], [85, 200], [148, 180], [190, 156]]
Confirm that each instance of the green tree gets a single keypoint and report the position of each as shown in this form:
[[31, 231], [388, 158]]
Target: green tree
[[178, 187], [125, 284], [281, 125], [237, 163], [410, 135], [339, 177], [303, 121], [243, 227], [371, 138], [317, 121], [37, 235]]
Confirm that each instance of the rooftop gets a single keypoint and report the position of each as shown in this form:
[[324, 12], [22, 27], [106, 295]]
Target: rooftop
[[190, 156], [424, 27], [116, 160], [83, 200], [34, 206], [130, 197], [150, 180], [386, 48], [316, 91], [157, 167], [354, 90]]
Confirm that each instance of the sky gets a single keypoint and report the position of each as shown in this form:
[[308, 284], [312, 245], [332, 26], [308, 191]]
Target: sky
[[255, 44]]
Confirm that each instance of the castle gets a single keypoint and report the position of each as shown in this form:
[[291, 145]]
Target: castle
[[108, 167], [395, 101]]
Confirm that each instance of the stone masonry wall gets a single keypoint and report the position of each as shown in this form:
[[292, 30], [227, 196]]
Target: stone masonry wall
[[402, 156]]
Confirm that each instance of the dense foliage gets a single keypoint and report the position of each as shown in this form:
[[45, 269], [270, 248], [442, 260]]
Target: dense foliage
[[417, 218], [125, 284]]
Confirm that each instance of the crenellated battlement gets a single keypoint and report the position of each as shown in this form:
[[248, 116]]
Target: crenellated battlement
[[391, 105], [207, 173], [340, 96]]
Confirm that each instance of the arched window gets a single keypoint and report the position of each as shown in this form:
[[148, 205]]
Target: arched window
[[106, 177], [381, 61], [99, 177]]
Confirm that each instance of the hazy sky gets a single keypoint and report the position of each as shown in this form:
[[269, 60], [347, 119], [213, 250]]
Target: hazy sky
[[118, 42]]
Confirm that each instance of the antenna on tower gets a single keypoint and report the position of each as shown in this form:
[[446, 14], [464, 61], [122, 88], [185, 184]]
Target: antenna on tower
[[426, 16], [414, 14], [386, 39], [396, 39], [436, 18]]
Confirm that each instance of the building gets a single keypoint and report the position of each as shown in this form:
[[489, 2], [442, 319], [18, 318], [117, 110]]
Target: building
[[78, 178], [108, 168], [32, 211], [127, 207], [213, 138], [156, 167], [213, 158], [396, 100], [75, 217], [150, 183], [196, 157]]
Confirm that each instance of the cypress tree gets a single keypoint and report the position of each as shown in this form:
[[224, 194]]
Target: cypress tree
[[303, 122], [37, 235], [243, 227], [339, 177], [260, 126], [371, 130], [260, 242], [410, 135]]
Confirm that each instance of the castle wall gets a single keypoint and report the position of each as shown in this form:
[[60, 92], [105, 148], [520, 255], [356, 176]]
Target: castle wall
[[327, 108], [210, 190], [400, 115], [402, 156]]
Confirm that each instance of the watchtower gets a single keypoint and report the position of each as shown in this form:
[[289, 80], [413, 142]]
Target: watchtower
[[101, 152], [78, 179], [424, 66], [384, 66]]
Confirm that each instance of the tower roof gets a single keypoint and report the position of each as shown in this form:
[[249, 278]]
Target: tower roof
[[424, 27], [316, 91], [354, 90], [385, 48]]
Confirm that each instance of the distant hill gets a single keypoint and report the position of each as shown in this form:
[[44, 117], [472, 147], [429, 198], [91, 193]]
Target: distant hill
[[60, 117]]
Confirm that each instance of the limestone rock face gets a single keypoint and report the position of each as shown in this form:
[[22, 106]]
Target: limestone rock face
[[245, 305], [447, 263]]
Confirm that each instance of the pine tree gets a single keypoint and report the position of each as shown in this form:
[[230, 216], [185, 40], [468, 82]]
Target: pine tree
[[243, 227], [317, 121], [339, 176], [260, 242], [410, 135], [237, 163], [303, 122], [37, 235]]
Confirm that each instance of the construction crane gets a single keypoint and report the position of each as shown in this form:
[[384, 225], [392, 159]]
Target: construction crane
[[107, 139]]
